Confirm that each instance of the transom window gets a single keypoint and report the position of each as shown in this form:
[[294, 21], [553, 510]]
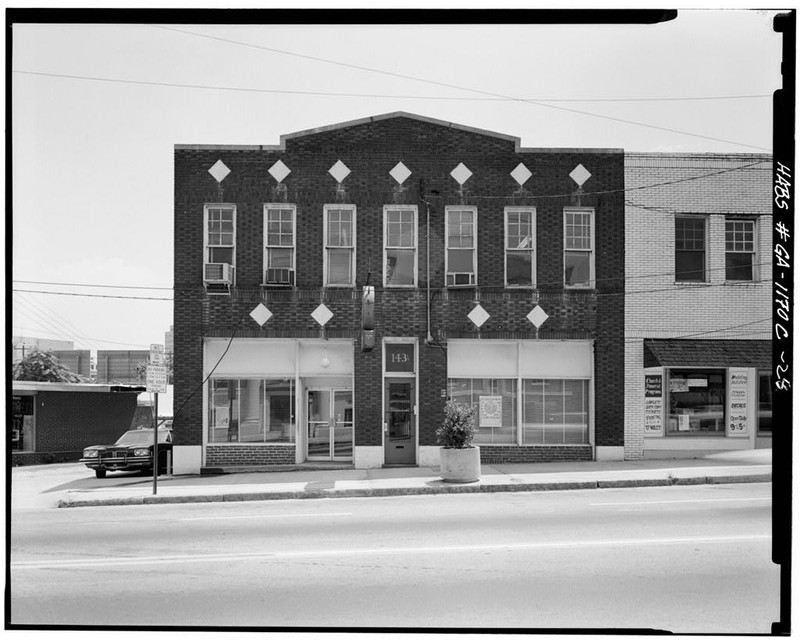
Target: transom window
[[400, 246], [340, 243], [739, 249], [520, 247], [461, 247], [690, 249], [279, 241], [579, 248]]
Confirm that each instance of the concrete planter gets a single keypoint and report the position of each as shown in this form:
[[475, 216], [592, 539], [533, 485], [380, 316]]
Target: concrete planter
[[460, 465]]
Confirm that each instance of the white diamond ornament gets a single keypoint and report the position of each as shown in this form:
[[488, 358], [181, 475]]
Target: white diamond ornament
[[279, 171], [339, 171], [521, 174], [461, 174], [580, 174], [220, 171], [400, 173], [478, 316], [537, 316], [322, 314], [261, 314]]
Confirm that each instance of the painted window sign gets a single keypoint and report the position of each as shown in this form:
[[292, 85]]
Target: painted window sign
[[491, 411], [653, 405], [400, 358], [738, 382]]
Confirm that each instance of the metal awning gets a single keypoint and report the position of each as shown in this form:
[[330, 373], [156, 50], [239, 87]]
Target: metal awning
[[708, 353]]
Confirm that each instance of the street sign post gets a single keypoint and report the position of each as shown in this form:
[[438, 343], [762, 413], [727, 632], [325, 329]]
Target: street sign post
[[156, 383]]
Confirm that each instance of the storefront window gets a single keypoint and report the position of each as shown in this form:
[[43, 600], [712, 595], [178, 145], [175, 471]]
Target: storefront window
[[251, 411], [22, 423], [765, 402], [696, 402], [555, 411], [495, 402]]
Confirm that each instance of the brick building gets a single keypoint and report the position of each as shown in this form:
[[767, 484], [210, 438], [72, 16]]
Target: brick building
[[332, 291], [698, 282]]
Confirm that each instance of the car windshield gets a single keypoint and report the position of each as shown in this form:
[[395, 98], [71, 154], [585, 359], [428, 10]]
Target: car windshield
[[142, 436]]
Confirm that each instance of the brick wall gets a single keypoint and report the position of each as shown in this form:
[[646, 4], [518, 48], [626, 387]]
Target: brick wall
[[230, 455], [551, 453]]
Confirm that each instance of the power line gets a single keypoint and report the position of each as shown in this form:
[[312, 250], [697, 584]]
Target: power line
[[80, 284], [91, 295], [48, 319], [333, 94], [453, 86]]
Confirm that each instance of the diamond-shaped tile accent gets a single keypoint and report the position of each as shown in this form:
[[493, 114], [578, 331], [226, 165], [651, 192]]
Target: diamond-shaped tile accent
[[580, 174], [279, 171], [339, 171], [537, 316], [478, 315], [521, 174], [219, 171], [322, 314], [400, 173], [261, 314], [461, 174]]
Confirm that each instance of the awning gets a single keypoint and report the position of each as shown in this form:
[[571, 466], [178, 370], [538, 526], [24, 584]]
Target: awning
[[708, 353]]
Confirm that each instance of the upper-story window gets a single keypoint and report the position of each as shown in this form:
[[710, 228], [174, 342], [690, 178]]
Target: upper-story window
[[340, 245], [578, 247], [400, 246], [520, 247], [279, 242], [461, 255], [220, 243], [740, 249], [690, 249]]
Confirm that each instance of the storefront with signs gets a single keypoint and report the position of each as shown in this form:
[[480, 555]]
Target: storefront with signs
[[706, 395]]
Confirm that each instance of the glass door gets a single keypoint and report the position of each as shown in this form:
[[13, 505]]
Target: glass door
[[330, 424], [399, 425]]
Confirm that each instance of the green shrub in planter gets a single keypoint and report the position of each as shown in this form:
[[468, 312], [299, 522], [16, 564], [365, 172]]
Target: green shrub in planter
[[458, 427]]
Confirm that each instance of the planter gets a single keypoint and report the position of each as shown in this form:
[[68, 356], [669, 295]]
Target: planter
[[460, 465]]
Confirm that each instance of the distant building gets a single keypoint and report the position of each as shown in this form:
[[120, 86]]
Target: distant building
[[21, 346], [122, 367], [169, 341], [77, 360]]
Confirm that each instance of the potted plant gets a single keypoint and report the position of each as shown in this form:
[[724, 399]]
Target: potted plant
[[459, 460]]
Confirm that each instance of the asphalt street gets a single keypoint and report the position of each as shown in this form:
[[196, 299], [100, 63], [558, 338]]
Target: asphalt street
[[688, 559]]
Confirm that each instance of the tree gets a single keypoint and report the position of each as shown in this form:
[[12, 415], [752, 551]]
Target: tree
[[43, 366]]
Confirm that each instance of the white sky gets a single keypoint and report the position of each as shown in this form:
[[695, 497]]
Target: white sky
[[92, 160]]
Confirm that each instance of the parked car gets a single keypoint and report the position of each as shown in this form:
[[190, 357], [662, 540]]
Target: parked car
[[132, 452]]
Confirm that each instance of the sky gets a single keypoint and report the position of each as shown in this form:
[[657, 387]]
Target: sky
[[97, 110]]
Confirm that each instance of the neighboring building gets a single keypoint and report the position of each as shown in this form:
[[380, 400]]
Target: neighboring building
[[698, 282], [76, 360], [53, 421], [498, 276], [21, 346], [122, 367], [169, 341]]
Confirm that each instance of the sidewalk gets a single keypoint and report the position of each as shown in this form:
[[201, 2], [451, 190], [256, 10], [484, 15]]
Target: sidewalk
[[728, 467]]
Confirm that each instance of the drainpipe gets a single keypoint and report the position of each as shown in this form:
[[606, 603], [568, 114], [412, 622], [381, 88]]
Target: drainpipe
[[429, 337]]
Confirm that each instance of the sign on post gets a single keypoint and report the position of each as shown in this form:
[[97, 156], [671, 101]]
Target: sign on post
[[156, 379], [157, 354]]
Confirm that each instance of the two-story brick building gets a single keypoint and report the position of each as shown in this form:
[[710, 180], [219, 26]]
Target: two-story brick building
[[333, 290], [698, 281]]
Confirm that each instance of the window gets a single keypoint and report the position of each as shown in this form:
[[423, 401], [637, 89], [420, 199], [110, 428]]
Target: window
[[555, 411], [579, 248], [252, 410], [520, 246], [764, 402], [279, 242], [739, 249], [22, 423], [340, 243], [220, 241], [400, 246], [495, 402], [460, 254], [696, 402], [690, 249]]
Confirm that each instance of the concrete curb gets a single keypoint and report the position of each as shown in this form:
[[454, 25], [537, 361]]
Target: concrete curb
[[406, 491]]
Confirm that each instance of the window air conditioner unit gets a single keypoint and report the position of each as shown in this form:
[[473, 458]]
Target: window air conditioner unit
[[280, 276], [218, 273], [460, 279]]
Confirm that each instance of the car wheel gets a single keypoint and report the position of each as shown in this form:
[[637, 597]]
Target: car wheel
[[100, 473]]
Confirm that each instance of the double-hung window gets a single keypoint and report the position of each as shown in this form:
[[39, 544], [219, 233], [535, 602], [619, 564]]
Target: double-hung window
[[279, 241], [739, 249], [400, 246], [579, 247], [520, 247], [340, 245], [461, 255], [220, 242], [690, 249]]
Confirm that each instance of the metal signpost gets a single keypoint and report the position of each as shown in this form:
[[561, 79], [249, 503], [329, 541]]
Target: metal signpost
[[156, 383]]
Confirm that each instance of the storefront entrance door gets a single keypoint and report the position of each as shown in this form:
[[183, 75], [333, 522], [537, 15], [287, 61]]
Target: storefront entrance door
[[330, 424], [400, 425]]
